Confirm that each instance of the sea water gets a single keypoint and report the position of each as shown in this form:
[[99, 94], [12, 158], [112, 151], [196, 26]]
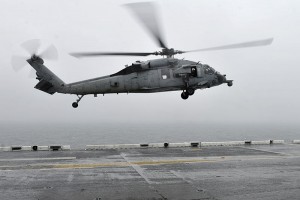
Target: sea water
[[78, 135]]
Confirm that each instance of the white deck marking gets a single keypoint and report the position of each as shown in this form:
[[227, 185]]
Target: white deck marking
[[137, 168], [37, 159], [70, 178]]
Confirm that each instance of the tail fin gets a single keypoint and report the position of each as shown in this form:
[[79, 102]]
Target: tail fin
[[48, 81]]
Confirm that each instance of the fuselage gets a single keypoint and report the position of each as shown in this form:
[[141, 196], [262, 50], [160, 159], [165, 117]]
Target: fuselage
[[160, 75]]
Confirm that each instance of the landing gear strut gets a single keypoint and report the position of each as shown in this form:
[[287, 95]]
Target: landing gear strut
[[75, 104]]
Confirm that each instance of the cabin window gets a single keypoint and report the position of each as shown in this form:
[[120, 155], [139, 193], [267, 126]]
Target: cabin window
[[165, 74], [194, 71]]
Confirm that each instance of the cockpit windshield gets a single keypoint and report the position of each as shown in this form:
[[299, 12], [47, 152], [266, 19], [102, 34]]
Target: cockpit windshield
[[208, 69]]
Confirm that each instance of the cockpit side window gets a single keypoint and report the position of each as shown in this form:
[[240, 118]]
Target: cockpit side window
[[208, 70]]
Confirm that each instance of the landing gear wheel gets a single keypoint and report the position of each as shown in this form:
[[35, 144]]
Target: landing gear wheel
[[190, 91], [75, 104], [230, 84], [184, 95]]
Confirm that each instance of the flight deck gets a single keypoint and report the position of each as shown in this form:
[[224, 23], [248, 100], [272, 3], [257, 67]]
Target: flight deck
[[215, 171]]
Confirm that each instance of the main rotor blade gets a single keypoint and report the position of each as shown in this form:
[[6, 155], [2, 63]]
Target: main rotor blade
[[146, 13], [95, 54], [239, 45]]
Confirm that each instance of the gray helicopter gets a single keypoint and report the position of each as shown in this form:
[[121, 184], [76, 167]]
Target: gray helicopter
[[157, 75]]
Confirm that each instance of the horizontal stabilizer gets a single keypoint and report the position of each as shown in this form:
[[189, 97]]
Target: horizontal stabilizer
[[45, 86]]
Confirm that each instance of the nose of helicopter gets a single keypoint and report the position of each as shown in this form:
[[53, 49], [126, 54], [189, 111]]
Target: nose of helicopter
[[221, 78]]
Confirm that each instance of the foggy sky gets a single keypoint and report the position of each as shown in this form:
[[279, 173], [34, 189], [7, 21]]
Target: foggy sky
[[266, 79]]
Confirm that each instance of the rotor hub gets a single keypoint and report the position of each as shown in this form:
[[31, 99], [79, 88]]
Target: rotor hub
[[35, 58], [168, 52]]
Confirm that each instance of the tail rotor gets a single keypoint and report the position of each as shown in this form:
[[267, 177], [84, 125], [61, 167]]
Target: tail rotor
[[31, 50]]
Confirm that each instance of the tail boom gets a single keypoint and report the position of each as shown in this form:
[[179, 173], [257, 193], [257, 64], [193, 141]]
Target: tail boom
[[48, 81]]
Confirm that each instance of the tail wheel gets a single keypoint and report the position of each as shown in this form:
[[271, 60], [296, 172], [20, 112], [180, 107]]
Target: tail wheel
[[75, 104]]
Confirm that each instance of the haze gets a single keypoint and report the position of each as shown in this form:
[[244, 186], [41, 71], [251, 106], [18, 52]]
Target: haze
[[266, 79]]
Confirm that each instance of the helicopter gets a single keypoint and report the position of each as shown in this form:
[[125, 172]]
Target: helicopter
[[156, 75]]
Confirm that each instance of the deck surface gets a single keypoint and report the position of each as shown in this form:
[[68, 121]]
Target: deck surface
[[247, 172]]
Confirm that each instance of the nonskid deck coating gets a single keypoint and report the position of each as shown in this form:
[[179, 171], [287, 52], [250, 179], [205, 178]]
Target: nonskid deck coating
[[247, 172]]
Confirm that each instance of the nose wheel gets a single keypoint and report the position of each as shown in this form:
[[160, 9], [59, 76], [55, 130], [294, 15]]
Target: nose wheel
[[75, 104], [190, 91], [186, 93]]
